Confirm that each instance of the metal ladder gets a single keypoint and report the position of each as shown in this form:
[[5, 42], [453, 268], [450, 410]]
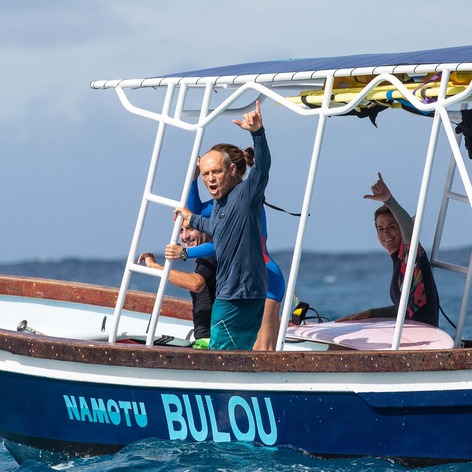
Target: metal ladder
[[164, 119], [448, 195]]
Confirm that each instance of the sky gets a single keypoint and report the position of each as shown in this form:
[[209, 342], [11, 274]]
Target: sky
[[74, 162]]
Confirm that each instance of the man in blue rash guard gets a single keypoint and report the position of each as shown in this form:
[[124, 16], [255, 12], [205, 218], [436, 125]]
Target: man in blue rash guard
[[268, 332], [235, 226]]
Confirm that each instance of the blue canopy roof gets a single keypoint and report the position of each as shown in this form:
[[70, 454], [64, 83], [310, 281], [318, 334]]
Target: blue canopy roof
[[293, 70], [455, 55]]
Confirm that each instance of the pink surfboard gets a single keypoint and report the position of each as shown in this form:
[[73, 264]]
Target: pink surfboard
[[372, 334]]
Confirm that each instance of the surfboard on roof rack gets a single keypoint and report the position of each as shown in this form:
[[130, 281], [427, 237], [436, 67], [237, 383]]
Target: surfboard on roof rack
[[88, 396]]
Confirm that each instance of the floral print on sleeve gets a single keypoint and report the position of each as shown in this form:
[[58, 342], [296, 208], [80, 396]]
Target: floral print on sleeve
[[417, 296]]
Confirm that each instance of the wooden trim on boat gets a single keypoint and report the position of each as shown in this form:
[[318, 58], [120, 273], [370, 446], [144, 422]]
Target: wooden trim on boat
[[164, 357], [89, 294]]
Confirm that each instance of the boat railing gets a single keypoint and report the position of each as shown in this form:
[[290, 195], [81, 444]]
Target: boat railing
[[449, 195], [173, 112], [441, 116]]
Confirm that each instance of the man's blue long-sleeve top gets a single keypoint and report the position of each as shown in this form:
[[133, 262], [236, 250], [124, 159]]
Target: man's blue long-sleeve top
[[235, 226]]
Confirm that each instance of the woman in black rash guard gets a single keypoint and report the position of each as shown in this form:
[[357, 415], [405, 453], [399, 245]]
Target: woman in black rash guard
[[394, 229]]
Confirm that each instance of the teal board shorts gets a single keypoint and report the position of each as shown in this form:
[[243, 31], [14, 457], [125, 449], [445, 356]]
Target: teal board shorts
[[235, 323]]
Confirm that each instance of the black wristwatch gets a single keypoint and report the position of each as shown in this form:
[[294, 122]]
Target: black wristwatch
[[184, 254]]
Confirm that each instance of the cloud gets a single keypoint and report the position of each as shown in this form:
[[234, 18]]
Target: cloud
[[74, 161]]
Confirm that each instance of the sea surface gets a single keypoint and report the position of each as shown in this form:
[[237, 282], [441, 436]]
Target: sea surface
[[333, 284]]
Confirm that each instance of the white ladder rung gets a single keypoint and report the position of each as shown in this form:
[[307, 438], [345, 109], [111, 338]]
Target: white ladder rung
[[145, 270], [457, 196], [451, 267], [163, 200]]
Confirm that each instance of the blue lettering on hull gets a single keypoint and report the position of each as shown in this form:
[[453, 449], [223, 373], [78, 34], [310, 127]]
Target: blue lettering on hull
[[95, 410], [188, 417], [245, 419]]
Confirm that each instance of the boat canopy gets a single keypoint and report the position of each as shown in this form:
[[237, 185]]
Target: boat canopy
[[295, 70], [429, 82]]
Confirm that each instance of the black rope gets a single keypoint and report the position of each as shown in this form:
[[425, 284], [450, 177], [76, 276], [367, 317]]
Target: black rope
[[447, 318], [299, 314], [318, 317], [281, 209]]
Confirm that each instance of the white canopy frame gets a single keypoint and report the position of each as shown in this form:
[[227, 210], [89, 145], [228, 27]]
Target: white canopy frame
[[266, 86]]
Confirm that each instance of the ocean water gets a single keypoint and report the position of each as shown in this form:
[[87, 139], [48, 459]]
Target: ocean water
[[333, 284], [162, 456]]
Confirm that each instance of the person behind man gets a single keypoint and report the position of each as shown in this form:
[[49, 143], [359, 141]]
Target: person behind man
[[201, 283], [235, 227], [394, 230]]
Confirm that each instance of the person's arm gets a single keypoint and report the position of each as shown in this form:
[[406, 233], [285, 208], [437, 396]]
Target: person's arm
[[201, 223], [194, 202], [190, 220], [203, 250], [173, 251], [381, 193], [262, 157], [252, 122], [404, 220], [187, 281], [384, 312]]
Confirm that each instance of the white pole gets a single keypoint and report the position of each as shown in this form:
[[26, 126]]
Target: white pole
[[142, 212], [405, 289], [287, 308], [185, 192]]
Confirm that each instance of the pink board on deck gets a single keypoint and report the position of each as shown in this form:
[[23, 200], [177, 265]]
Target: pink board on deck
[[370, 334]]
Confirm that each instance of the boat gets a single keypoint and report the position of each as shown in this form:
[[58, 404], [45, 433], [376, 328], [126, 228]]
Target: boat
[[105, 367]]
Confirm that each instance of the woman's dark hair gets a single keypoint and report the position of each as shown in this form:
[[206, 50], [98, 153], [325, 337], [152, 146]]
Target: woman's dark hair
[[383, 210]]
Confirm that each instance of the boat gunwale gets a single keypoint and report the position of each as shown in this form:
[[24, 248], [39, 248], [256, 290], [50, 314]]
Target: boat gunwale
[[90, 294], [166, 357]]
